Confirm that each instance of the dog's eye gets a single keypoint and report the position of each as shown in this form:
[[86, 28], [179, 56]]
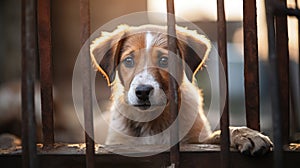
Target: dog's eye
[[163, 62], [129, 62]]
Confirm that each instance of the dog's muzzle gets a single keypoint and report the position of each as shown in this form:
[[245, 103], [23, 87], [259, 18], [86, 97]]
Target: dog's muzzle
[[143, 92]]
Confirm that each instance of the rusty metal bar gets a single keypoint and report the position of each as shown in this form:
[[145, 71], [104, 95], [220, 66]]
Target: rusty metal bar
[[46, 75], [222, 49], [276, 85], [87, 88], [251, 64], [298, 17], [188, 159], [297, 123], [297, 7], [293, 91], [173, 85], [297, 95], [29, 55], [282, 51]]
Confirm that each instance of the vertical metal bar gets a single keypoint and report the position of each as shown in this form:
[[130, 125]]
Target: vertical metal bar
[[298, 98], [298, 8], [251, 64], [46, 75], [282, 51], [87, 91], [293, 90], [275, 86], [222, 49], [173, 85], [29, 52]]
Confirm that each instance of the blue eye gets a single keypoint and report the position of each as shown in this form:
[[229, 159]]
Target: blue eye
[[163, 62], [129, 62]]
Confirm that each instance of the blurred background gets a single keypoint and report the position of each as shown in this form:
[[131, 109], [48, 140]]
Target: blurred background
[[66, 46]]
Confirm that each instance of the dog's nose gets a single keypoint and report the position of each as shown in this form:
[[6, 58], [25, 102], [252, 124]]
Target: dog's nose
[[143, 92]]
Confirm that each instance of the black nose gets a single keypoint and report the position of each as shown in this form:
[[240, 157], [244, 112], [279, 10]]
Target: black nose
[[143, 92]]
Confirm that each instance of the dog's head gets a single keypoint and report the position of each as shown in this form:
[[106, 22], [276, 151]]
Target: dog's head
[[138, 58]]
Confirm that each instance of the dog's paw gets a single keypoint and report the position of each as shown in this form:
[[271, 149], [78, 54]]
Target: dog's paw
[[250, 142]]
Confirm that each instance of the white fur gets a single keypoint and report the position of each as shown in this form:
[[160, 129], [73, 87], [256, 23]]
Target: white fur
[[158, 96], [148, 40]]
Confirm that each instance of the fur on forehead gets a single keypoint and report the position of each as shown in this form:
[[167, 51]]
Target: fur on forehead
[[190, 39]]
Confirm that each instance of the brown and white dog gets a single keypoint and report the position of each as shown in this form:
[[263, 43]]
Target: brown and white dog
[[134, 61]]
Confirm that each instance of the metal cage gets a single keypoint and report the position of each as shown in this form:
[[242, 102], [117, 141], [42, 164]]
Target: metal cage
[[36, 31]]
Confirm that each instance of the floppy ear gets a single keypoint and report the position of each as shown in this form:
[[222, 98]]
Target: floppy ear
[[194, 49], [105, 52]]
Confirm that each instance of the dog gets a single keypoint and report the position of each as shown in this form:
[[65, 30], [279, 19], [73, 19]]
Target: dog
[[134, 60]]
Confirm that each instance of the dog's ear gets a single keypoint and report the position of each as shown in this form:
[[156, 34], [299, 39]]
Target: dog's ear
[[105, 52], [194, 48]]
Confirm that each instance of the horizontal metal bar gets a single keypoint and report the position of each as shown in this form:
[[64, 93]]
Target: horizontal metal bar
[[209, 158]]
